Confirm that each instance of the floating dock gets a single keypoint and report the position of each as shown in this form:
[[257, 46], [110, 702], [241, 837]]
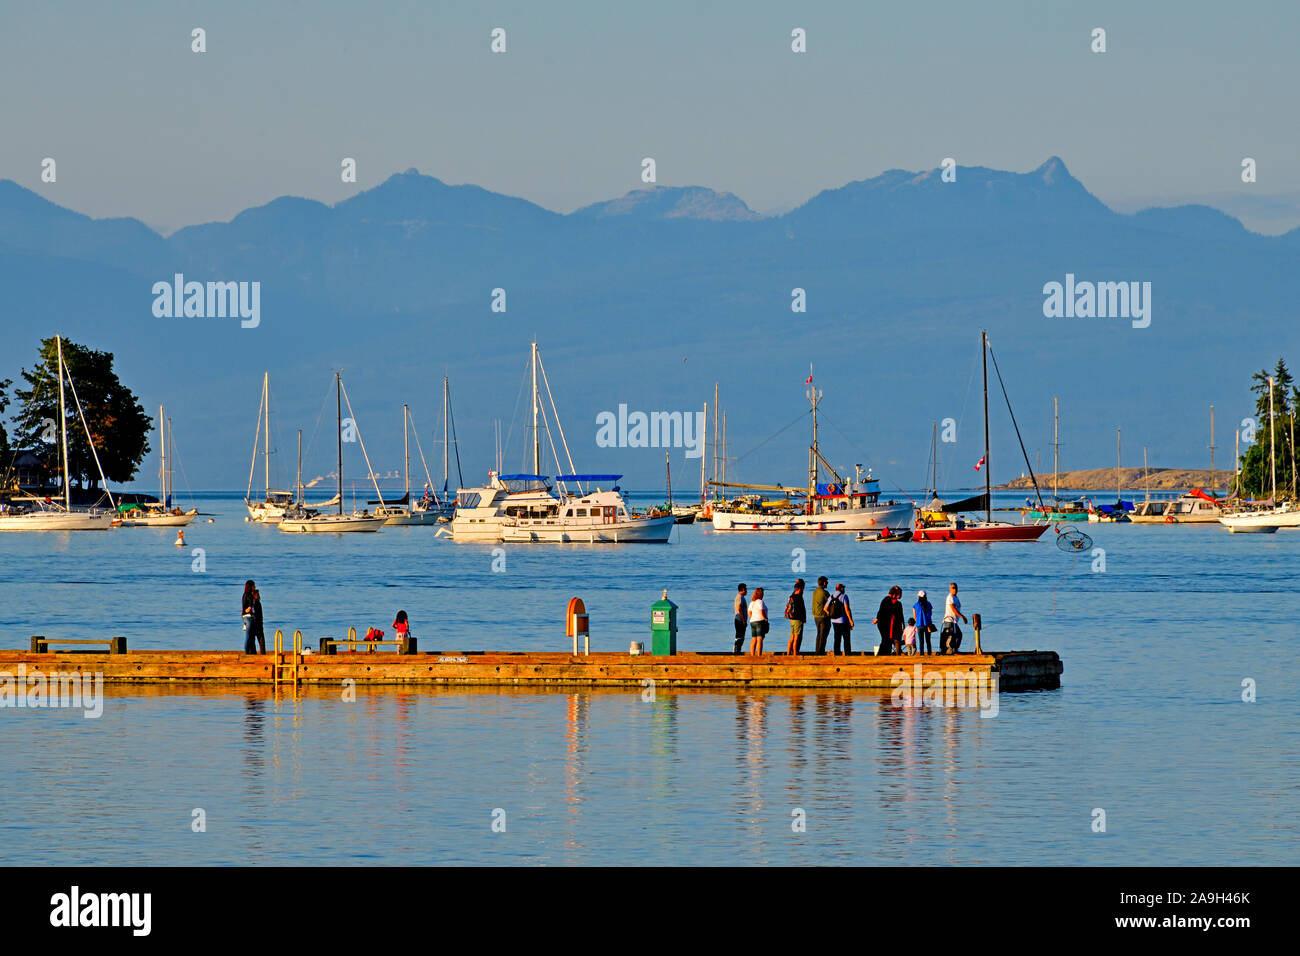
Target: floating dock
[[1015, 670]]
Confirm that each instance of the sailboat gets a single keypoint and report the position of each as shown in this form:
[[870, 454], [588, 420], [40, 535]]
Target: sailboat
[[523, 508], [309, 521], [840, 505], [957, 528], [1118, 512], [272, 506], [46, 515], [159, 514], [404, 511], [1058, 510], [1265, 520]]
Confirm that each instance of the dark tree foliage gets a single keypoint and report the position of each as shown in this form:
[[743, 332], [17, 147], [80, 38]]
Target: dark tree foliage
[[115, 418], [1272, 444]]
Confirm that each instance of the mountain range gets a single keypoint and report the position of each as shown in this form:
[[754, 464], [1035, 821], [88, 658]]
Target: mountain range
[[649, 299]]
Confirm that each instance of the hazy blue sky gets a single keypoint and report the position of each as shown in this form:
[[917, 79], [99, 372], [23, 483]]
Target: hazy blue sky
[[139, 125]]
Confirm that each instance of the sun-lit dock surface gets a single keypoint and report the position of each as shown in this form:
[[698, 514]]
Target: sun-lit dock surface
[[1015, 670]]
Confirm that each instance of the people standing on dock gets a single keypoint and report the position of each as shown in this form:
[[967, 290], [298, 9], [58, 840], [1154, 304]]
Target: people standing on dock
[[251, 611], [401, 626], [741, 610], [796, 613], [951, 634], [823, 623], [889, 621], [841, 618], [758, 622], [924, 612]]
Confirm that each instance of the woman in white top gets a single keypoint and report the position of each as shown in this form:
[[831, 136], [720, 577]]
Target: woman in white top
[[758, 623]]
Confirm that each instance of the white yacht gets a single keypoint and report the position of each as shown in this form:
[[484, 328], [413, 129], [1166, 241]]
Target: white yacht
[[159, 514], [271, 508], [523, 508], [1195, 507]]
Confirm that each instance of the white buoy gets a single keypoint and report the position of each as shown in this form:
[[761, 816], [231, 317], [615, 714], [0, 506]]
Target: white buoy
[[180, 538]]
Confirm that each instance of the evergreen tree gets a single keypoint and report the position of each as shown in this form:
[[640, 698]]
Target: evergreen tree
[[115, 418]]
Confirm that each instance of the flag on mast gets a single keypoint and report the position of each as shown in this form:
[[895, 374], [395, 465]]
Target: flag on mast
[[808, 380], [979, 464]]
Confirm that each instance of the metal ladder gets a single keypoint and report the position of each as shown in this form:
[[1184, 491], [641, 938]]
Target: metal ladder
[[284, 667]]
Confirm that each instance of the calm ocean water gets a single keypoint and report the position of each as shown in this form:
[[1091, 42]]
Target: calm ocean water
[[1149, 724]]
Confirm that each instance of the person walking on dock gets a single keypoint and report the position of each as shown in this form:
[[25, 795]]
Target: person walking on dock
[[950, 636], [758, 622], [823, 623], [796, 613], [741, 611], [250, 609], [889, 621], [924, 613], [841, 618]]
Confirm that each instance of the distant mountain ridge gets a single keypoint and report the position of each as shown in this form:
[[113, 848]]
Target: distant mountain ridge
[[651, 297]]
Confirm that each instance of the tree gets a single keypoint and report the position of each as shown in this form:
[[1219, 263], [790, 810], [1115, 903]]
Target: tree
[[1271, 443], [4, 403], [115, 418]]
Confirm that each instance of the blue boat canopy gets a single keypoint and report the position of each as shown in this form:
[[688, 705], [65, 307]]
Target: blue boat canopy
[[522, 477], [588, 477]]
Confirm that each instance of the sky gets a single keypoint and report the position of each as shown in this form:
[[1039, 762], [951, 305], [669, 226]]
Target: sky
[[139, 125]]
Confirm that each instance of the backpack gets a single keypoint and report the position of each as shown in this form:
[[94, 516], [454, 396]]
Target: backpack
[[789, 608], [836, 607]]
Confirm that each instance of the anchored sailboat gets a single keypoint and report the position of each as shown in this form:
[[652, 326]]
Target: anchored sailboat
[[309, 521], [957, 528], [1265, 520], [46, 515], [162, 514], [272, 506]]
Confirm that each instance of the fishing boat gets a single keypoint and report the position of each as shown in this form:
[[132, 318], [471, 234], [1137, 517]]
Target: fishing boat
[[833, 506], [44, 514], [953, 526], [271, 508], [302, 520], [523, 508], [159, 514]]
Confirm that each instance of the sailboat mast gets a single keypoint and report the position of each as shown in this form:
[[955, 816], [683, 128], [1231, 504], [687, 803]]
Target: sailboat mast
[[444, 435], [537, 441], [298, 483], [715, 432], [338, 410], [1272, 455], [171, 466], [814, 396], [704, 433], [162, 467], [1211, 449], [406, 450], [988, 471], [1056, 449], [266, 432], [1146, 475], [63, 428], [668, 473], [1119, 455]]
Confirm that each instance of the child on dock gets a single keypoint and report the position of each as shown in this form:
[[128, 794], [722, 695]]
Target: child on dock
[[909, 637], [401, 626]]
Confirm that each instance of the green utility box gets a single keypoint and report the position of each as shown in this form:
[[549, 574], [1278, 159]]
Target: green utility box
[[663, 627]]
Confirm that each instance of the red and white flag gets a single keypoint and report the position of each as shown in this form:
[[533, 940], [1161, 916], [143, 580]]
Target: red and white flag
[[808, 380], [979, 464]]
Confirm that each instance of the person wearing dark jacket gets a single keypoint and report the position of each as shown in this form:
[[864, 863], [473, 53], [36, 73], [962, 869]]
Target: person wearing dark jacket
[[889, 622], [797, 614], [250, 609], [820, 620]]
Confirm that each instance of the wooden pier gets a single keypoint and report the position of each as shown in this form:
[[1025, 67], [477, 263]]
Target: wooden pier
[[1015, 670]]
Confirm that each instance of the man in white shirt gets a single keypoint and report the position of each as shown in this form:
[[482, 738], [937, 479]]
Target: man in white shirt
[[951, 630]]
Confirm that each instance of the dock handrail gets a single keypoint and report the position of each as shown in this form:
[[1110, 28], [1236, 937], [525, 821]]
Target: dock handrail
[[279, 666]]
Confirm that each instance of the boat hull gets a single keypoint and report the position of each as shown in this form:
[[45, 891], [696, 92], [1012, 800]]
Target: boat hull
[[331, 524], [635, 530], [995, 532], [897, 518], [1057, 515], [56, 521], [160, 521]]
